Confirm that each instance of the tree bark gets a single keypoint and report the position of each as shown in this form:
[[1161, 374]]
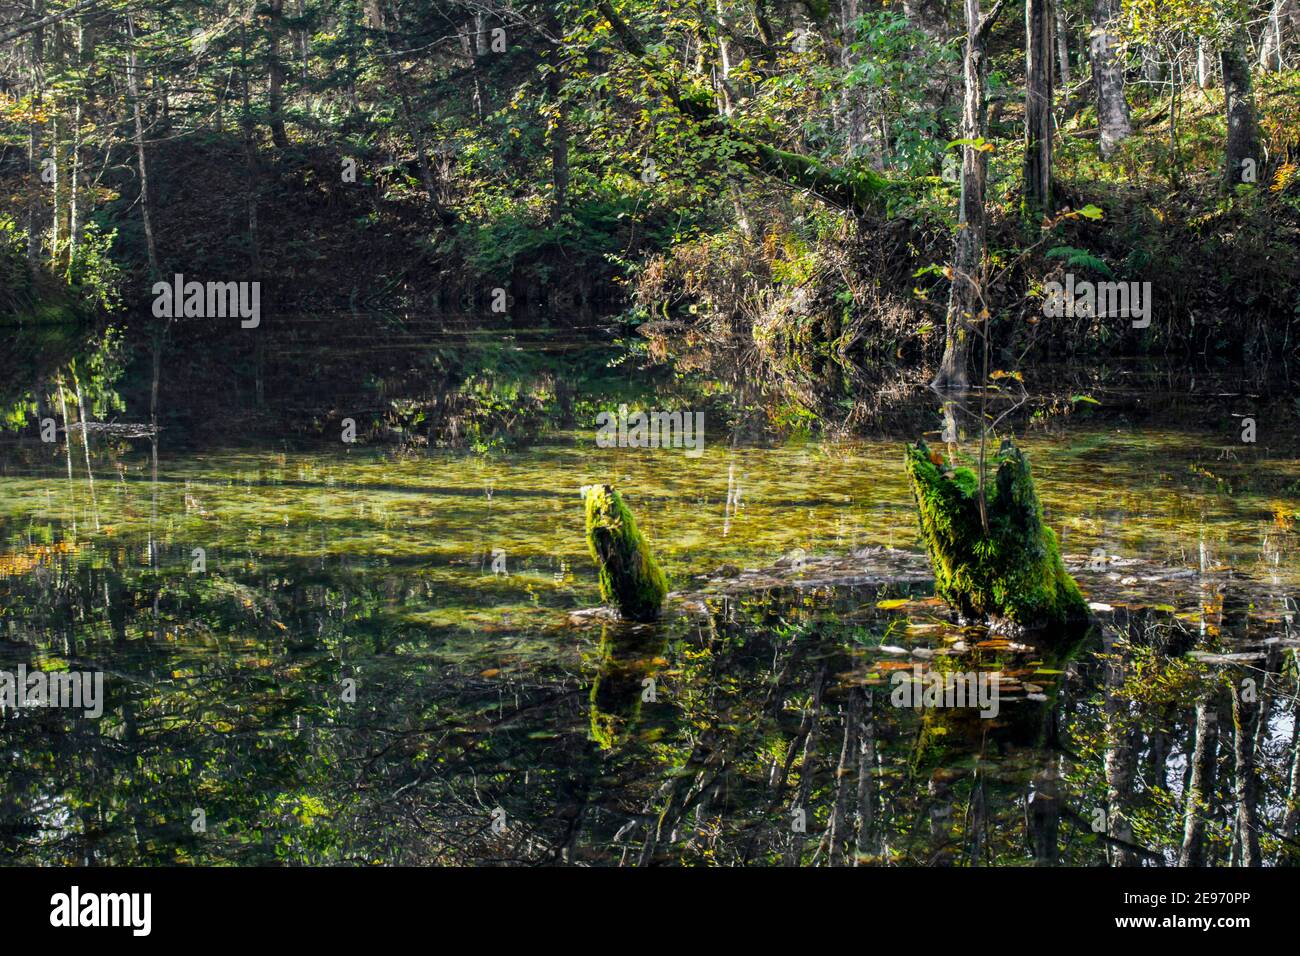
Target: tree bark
[[1062, 44], [1200, 789], [1239, 102], [133, 86], [74, 179], [1202, 64], [1245, 717], [559, 127], [1284, 14], [276, 76], [964, 295], [1038, 108], [36, 47], [1108, 77]]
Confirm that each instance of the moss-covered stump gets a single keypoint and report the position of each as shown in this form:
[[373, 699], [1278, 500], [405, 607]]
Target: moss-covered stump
[[1014, 573], [630, 578]]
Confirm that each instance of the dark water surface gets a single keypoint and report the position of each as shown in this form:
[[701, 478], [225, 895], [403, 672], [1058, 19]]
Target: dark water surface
[[375, 657]]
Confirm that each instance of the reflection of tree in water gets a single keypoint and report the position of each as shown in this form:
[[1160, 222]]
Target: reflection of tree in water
[[224, 695]]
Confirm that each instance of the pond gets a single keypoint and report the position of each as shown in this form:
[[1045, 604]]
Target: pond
[[334, 652]]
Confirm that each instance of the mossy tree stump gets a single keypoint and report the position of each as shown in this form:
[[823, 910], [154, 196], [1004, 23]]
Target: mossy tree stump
[[630, 578], [1013, 573]]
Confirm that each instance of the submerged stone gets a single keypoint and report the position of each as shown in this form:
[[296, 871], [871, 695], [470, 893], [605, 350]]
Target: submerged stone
[[1011, 574], [629, 576]]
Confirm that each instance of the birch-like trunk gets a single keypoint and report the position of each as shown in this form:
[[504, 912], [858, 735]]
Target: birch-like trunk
[[1108, 78], [133, 87], [964, 296]]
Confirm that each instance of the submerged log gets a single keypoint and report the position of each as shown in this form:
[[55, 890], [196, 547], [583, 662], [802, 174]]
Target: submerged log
[[629, 576], [1012, 573]]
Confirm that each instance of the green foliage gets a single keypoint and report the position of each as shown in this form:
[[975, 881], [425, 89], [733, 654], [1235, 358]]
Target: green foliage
[[1079, 258]]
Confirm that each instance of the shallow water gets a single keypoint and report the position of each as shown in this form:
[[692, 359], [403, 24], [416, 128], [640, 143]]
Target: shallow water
[[375, 657]]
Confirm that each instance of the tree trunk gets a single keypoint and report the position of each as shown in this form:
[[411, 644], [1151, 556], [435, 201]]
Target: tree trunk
[[1242, 146], [1038, 109], [1120, 760], [74, 178], [1291, 818], [275, 76], [559, 136], [54, 182], [1284, 13], [859, 135], [251, 177], [1062, 44], [133, 86], [1200, 789], [1108, 76], [964, 296], [36, 46], [1202, 64], [1245, 717]]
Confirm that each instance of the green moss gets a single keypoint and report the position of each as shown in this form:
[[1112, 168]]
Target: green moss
[[1014, 572], [629, 576]]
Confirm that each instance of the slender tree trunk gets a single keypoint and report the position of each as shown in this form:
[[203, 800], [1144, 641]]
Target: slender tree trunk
[[559, 133], [275, 76], [1283, 14], [1038, 109], [867, 844], [1062, 44], [1108, 76], [1200, 789], [1120, 760], [964, 294], [85, 446], [857, 121], [54, 183], [1291, 818], [1245, 717], [252, 184], [1044, 815], [133, 86], [36, 46], [74, 179], [67, 451], [1203, 78], [1242, 154], [843, 774]]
